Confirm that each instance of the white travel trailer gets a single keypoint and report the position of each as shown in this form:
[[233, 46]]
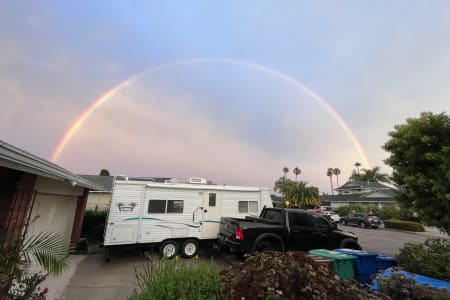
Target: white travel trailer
[[176, 216]]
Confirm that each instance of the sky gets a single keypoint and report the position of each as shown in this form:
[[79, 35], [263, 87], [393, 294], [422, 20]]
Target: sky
[[220, 90]]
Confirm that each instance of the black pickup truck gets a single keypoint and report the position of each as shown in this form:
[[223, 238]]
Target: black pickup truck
[[285, 229]]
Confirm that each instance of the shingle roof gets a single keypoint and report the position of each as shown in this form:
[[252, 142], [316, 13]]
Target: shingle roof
[[105, 181], [363, 184], [354, 198], [14, 158]]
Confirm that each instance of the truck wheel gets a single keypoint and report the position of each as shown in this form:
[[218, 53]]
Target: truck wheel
[[349, 244], [189, 248], [343, 222], [169, 249], [362, 225], [267, 245]]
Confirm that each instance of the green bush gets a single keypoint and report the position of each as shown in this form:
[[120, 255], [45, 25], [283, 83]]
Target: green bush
[[347, 209], [404, 225], [431, 258], [397, 287], [94, 225], [170, 279], [288, 275], [389, 212]]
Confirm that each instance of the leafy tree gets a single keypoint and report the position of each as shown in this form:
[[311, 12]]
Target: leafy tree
[[420, 159], [373, 175], [298, 193], [104, 172]]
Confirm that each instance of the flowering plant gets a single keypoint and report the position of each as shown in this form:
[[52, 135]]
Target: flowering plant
[[27, 288]]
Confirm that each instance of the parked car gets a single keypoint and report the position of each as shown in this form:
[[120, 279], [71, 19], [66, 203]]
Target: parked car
[[334, 217], [283, 229], [362, 220]]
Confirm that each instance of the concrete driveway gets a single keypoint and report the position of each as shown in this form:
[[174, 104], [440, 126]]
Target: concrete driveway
[[95, 279]]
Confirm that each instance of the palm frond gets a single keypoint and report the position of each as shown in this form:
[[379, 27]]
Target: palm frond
[[50, 251]]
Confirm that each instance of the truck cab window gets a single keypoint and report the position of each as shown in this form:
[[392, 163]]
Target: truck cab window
[[299, 219], [273, 215]]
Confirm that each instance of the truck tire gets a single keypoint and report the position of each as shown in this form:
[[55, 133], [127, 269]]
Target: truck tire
[[169, 249], [269, 242], [343, 222], [362, 224], [189, 248], [350, 244]]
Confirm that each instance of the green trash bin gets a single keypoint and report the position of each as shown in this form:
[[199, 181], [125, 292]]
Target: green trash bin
[[342, 263]]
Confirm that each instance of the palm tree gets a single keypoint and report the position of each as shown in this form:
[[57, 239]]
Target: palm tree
[[330, 174], [357, 165], [374, 175], [297, 172], [48, 250], [285, 171], [303, 195], [337, 172]]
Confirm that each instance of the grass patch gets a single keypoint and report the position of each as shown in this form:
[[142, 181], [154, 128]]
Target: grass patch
[[172, 279]]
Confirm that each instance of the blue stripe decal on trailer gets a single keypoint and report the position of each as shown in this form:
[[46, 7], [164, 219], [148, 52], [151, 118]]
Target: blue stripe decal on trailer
[[157, 219]]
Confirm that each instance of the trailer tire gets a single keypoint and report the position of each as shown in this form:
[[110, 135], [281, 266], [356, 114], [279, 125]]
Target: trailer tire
[[169, 249], [350, 244], [189, 248]]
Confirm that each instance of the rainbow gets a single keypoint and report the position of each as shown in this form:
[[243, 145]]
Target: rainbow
[[75, 126]]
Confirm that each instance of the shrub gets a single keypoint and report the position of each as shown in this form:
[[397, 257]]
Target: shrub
[[431, 258], [389, 212], [347, 209], [397, 287], [94, 225], [404, 225], [169, 279], [288, 275]]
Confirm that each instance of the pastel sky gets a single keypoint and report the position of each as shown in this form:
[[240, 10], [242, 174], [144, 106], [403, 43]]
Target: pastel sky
[[375, 63]]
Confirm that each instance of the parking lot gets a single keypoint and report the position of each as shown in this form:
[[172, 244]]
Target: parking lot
[[93, 279]]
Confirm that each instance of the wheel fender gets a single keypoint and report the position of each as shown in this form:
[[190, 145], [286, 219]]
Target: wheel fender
[[270, 236], [348, 242]]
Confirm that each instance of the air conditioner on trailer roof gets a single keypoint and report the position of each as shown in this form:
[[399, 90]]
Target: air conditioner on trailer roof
[[197, 180]]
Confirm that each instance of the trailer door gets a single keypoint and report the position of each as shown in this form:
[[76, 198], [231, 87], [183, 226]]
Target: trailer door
[[212, 211]]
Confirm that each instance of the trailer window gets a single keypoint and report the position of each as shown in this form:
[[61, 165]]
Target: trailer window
[[248, 206], [157, 206], [165, 206], [212, 199], [175, 206]]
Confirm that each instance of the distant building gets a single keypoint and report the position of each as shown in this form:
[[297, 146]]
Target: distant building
[[362, 193]]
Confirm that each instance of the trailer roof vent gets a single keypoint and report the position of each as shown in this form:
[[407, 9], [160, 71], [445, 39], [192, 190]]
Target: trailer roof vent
[[121, 177], [198, 180]]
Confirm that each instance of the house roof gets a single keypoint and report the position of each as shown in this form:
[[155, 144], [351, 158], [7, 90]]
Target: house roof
[[14, 158], [354, 198], [363, 184], [105, 181]]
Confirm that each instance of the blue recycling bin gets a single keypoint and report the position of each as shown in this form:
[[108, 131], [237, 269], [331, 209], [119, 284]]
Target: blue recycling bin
[[365, 262], [385, 262], [417, 278]]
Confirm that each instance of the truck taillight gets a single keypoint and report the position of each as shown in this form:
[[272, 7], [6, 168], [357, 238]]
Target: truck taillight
[[239, 233]]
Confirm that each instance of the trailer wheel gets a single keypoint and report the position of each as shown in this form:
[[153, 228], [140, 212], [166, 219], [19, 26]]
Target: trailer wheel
[[169, 249], [189, 248], [107, 255]]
